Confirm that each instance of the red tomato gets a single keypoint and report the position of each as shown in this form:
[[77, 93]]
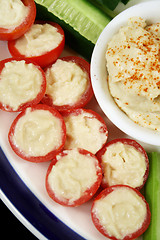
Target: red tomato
[[76, 134], [35, 100], [18, 31], [36, 137], [102, 229], [131, 143], [87, 94], [86, 193], [46, 58]]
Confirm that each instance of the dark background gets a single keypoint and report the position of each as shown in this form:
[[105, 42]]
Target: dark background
[[11, 227]]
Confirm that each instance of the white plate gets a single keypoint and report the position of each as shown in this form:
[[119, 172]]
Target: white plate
[[23, 186]]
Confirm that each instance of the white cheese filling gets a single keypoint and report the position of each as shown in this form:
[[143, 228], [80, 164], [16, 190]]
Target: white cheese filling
[[66, 82], [72, 175], [40, 38], [12, 13], [84, 131], [37, 133], [19, 83], [123, 164], [121, 213]]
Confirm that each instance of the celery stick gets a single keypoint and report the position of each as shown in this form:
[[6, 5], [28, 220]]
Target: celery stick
[[152, 194]]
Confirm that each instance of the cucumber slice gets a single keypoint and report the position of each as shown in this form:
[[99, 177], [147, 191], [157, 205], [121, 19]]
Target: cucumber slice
[[81, 15], [84, 21], [109, 4], [125, 1], [152, 194]]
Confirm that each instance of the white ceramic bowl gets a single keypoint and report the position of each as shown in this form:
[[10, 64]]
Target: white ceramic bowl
[[151, 12]]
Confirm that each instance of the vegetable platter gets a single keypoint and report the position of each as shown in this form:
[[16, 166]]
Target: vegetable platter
[[22, 182]]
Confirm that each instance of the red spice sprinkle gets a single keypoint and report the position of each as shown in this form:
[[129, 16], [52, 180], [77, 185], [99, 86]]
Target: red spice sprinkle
[[145, 89], [158, 83]]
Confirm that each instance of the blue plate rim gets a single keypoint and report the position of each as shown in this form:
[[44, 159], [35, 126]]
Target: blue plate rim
[[23, 200]]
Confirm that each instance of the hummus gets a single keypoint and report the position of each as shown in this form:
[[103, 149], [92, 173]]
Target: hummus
[[12, 13], [72, 175], [134, 71], [121, 213], [38, 40], [37, 133]]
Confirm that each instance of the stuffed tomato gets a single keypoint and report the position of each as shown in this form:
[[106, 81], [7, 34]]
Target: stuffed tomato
[[85, 129], [68, 83], [42, 43], [16, 17], [22, 84], [124, 161], [38, 133], [73, 177], [121, 213]]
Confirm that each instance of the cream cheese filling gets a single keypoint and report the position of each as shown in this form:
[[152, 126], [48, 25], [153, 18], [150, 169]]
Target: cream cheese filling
[[37, 133], [40, 38], [19, 83], [72, 175], [66, 82], [84, 131], [12, 13], [134, 71], [123, 164], [121, 212]]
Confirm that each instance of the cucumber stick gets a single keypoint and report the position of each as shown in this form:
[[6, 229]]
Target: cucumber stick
[[152, 194], [80, 18], [109, 4]]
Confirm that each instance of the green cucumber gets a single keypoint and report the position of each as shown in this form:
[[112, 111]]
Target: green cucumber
[[107, 7], [81, 21], [109, 4], [152, 194], [110, 7], [125, 1]]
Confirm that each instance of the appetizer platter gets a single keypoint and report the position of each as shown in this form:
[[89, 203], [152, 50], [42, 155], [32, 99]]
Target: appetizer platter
[[68, 170]]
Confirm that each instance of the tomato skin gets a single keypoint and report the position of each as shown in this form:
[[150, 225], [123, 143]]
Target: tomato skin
[[14, 33], [46, 58], [39, 95], [49, 155], [101, 229], [132, 143], [87, 95], [88, 194]]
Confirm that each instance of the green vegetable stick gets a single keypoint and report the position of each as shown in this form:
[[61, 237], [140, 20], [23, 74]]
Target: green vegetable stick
[[81, 21], [152, 194], [110, 4]]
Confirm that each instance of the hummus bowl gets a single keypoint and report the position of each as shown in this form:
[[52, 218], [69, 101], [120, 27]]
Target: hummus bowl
[[150, 12]]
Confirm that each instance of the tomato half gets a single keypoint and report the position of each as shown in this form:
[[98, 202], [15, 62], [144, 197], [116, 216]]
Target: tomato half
[[135, 173], [84, 97], [45, 58], [38, 133], [24, 92], [120, 213], [70, 190], [85, 129], [17, 31]]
